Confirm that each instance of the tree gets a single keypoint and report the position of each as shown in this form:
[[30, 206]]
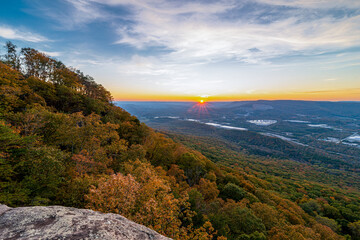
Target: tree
[[66, 77], [254, 236], [11, 57], [37, 64], [11, 144], [197, 203], [232, 191], [141, 196], [242, 220], [30, 174], [325, 232], [331, 212], [208, 189], [117, 194], [311, 207], [193, 168], [293, 232], [355, 230], [331, 223], [43, 173], [268, 215], [205, 232]]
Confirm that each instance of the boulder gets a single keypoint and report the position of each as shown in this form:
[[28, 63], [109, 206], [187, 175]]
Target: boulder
[[57, 222]]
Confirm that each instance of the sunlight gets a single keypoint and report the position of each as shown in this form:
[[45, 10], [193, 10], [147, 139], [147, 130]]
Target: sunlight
[[201, 108]]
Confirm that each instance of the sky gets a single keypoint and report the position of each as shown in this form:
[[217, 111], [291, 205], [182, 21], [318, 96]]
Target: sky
[[182, 50]]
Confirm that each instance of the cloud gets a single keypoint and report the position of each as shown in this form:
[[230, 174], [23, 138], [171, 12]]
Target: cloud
[[70, 14], [202, 32], [196, 32], [345, 90], [314, 3], [16, 34], [51, 54], [175, 44]]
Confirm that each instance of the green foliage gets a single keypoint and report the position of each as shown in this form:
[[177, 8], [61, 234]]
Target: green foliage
[[29, 172], [254, 236], [311, 207], [331, 212], [269, 216], [355, 230], [331, 223], [11, 148], [193, 167], [241, 220], [232, 191]]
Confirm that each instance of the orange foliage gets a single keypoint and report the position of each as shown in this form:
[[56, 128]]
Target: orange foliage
[[269, 216], [293, 232], [140, 196], [116, 194], [146, 198], [207, 189]]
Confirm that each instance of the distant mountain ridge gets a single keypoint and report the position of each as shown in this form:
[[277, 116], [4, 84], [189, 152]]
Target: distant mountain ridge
[[343, 108]]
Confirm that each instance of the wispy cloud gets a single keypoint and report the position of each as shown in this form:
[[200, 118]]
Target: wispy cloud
[[70, 14], [201, 31], [17, 34], [196, 32], [174, 45], [52, 54], [346, 90], [314, 3]]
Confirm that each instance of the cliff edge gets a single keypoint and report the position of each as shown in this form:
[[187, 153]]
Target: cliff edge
[[57, 222]]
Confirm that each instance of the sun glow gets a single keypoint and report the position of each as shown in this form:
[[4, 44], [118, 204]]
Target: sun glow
[[200, 108]]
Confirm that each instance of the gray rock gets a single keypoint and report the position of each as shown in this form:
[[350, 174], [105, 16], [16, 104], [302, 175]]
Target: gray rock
[[4, 208], [56, 222]]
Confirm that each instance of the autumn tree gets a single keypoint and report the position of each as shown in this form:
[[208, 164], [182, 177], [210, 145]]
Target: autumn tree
[[293, 232], [11, 57], [268, 215], [141, 196], [37, 64], [208, 189]]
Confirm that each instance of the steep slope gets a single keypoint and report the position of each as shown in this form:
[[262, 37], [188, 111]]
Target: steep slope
[[63, 142], [230, 154]]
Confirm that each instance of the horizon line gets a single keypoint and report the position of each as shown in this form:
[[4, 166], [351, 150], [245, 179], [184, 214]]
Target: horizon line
[[272, 100]]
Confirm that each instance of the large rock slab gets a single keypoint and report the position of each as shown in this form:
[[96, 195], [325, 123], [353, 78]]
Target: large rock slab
[[56, 222]]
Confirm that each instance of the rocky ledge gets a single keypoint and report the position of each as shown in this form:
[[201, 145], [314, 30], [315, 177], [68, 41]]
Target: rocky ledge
[[57, 222]]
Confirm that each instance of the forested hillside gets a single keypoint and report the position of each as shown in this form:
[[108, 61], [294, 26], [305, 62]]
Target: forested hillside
[[63, 142]]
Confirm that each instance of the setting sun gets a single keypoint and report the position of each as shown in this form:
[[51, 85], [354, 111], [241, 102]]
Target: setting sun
[[201, 101]]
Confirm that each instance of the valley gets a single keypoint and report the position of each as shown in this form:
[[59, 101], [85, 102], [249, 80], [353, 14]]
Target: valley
[[285, 130], [331, 127]]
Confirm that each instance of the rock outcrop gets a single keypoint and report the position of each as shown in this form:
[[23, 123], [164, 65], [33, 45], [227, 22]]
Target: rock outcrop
[[57, 222]]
